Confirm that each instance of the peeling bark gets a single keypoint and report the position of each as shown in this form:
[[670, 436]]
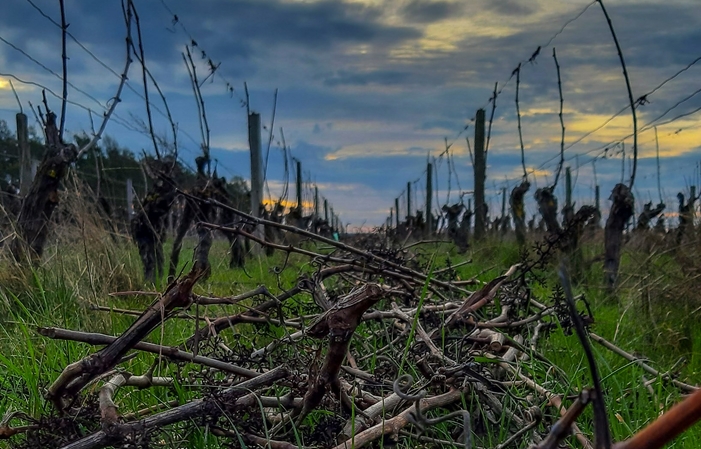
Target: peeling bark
[[547, 205], [621, 211], [518, 211], [33, 222]]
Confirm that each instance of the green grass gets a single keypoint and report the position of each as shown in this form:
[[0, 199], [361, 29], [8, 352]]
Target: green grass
[[659, 325]]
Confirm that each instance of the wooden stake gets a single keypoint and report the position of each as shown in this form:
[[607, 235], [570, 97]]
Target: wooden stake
[[480, 174], [429, 193], [25, 176]]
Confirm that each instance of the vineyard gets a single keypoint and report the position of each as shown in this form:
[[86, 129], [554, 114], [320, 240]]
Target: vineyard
[[148, 301]]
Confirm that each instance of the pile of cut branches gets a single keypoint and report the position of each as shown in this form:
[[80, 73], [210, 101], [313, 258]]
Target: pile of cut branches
[[369, 346]]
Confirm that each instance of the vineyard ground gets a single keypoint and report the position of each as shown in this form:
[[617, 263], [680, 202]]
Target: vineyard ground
[[653, 315]]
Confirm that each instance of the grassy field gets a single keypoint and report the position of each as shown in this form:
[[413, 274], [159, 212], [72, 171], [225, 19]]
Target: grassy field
[[652, 315]]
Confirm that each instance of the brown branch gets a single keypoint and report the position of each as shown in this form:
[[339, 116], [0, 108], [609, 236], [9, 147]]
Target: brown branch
[[78, 374], [165, 351], [338, 324], [667, 427], [196, 408]]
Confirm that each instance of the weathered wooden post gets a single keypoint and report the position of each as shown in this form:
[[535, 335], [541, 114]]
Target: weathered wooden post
[[316, 202], [480, 175], [256, 163], [503, 202], [300, 208], [429, 194], [25, 176], [597, 205], [396, 207], [326, 211], [408, 199], [254, 143], [692, 206]]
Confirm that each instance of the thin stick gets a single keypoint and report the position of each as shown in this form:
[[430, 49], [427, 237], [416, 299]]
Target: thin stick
[[19, 103], [142, 60], [270, 137], [518, 116], [173, 353], [562, 123], [202, 115], [469, 150], [630, 94], [623, 161], [64, 59], [491, 119], [116, 99], [631, 358]]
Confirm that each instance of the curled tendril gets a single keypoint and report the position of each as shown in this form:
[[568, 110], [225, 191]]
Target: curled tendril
[[417, 418]]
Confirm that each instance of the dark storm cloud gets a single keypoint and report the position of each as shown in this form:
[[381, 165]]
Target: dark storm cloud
[[313, 25], [425, 11]]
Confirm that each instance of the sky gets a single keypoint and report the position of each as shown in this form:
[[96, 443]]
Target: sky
[[369, 91]]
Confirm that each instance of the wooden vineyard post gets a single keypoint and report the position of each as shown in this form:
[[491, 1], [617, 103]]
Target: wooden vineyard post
[[396, 207], [256, 163], [25, 176], [504, 220], [429, 194], [480, 171], [408, 200], [316, 202], [299, 188], [597, 205], [692, 205], [254, 142]]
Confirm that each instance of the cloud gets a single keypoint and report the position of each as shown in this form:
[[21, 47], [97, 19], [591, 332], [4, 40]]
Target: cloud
[[368, 87], [424, 11], [378, 77], [510, 7]]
